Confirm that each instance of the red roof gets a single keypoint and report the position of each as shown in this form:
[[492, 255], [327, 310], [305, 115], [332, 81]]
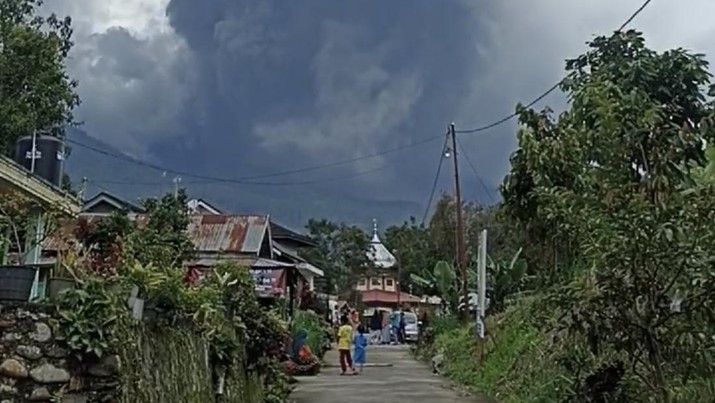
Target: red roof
[[388, 297]]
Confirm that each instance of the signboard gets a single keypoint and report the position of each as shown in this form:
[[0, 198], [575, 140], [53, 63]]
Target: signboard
[[268, 282]]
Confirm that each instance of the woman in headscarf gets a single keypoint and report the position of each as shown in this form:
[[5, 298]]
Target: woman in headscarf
[[302, 360]]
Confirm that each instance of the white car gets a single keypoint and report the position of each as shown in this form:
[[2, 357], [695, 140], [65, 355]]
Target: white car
[[412, 330]]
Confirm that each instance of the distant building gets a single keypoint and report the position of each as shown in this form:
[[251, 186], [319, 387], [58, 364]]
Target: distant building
[[105, 203], [270, 250], [379, 288]]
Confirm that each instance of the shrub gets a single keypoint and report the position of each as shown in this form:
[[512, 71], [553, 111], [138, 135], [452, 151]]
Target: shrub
[[315, 327]]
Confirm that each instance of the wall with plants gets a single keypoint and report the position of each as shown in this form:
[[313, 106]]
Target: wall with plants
[[36, 365], [175, 341]]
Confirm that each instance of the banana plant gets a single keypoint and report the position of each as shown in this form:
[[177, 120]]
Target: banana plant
[[442, 280], [505, 279]]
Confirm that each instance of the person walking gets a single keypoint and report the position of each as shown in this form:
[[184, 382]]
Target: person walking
[[375, 327], [385, 328], [402, 327], [360, 344], [395, 326], [344, 341]]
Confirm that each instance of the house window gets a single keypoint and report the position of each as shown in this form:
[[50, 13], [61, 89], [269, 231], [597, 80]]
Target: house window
[[389, 282], [376, 282], [361, 282]]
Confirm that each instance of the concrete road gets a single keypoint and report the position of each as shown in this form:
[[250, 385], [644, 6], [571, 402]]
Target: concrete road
[[406, 380]]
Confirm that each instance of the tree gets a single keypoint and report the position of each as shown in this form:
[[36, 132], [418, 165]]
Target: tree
[[341, 252], [415, 252], [161, 238], [614, 180], [36, 92], [440, 280]]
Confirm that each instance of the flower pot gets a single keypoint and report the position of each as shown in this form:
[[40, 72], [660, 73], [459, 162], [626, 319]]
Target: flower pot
[[58, 284], [16, 282]]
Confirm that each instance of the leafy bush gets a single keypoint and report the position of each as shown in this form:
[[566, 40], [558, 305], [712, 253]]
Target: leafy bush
[[314, 325], [223, 310], [89, 317]]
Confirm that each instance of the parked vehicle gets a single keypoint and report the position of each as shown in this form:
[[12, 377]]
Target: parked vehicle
[[412, 331]]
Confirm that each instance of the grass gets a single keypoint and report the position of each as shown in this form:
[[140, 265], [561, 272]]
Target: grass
[[517, 364]]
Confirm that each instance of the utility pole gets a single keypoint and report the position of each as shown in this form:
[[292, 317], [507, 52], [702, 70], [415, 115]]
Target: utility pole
[[461, 260], [397, 280]]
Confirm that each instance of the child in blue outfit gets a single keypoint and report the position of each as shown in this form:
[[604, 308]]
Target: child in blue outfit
[[360, 342]]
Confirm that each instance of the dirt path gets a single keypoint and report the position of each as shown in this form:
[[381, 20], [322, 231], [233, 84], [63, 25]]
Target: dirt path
[[406, 380]]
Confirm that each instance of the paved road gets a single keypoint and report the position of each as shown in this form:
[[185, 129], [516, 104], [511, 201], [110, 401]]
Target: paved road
[[405, 381]]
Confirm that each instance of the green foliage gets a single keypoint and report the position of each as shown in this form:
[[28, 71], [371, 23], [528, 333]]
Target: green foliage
[[505, 279], [89, 317], [158, 238], [616, 183], [35, 91], [443, 280], [340, 253], [415, 250], [518, 361], [164, 364], [222, 311], [162, 238], [315, 326]]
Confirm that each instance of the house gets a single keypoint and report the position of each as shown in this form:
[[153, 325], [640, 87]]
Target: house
[[287, 244], [380, 288], [274, 260], [248, 240], [105, 203], [40, 199]]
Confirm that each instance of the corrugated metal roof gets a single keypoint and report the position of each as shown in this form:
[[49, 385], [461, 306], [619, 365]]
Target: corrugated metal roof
[[227, 233]]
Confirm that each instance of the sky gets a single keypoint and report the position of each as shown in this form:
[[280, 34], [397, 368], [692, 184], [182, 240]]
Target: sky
[[236, 88]]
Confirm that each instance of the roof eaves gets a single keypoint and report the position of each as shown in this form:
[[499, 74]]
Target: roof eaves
[[45, 192]]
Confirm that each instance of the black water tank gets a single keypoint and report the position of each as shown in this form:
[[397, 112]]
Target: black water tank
[[49, 157]]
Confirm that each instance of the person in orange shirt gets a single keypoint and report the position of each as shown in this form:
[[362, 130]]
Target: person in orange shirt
[[345, 336]]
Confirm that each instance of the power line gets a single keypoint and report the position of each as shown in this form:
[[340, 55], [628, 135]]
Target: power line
[[552, 88], [634, 15], [474, 170], [249, 179], [436, 180], [222, 182]]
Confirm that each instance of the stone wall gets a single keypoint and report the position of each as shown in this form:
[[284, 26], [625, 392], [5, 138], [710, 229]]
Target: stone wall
[[35, 367], [156, 364]]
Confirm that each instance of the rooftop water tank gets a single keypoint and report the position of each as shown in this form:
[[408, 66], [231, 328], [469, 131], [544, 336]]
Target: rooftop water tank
[[48, 157]]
